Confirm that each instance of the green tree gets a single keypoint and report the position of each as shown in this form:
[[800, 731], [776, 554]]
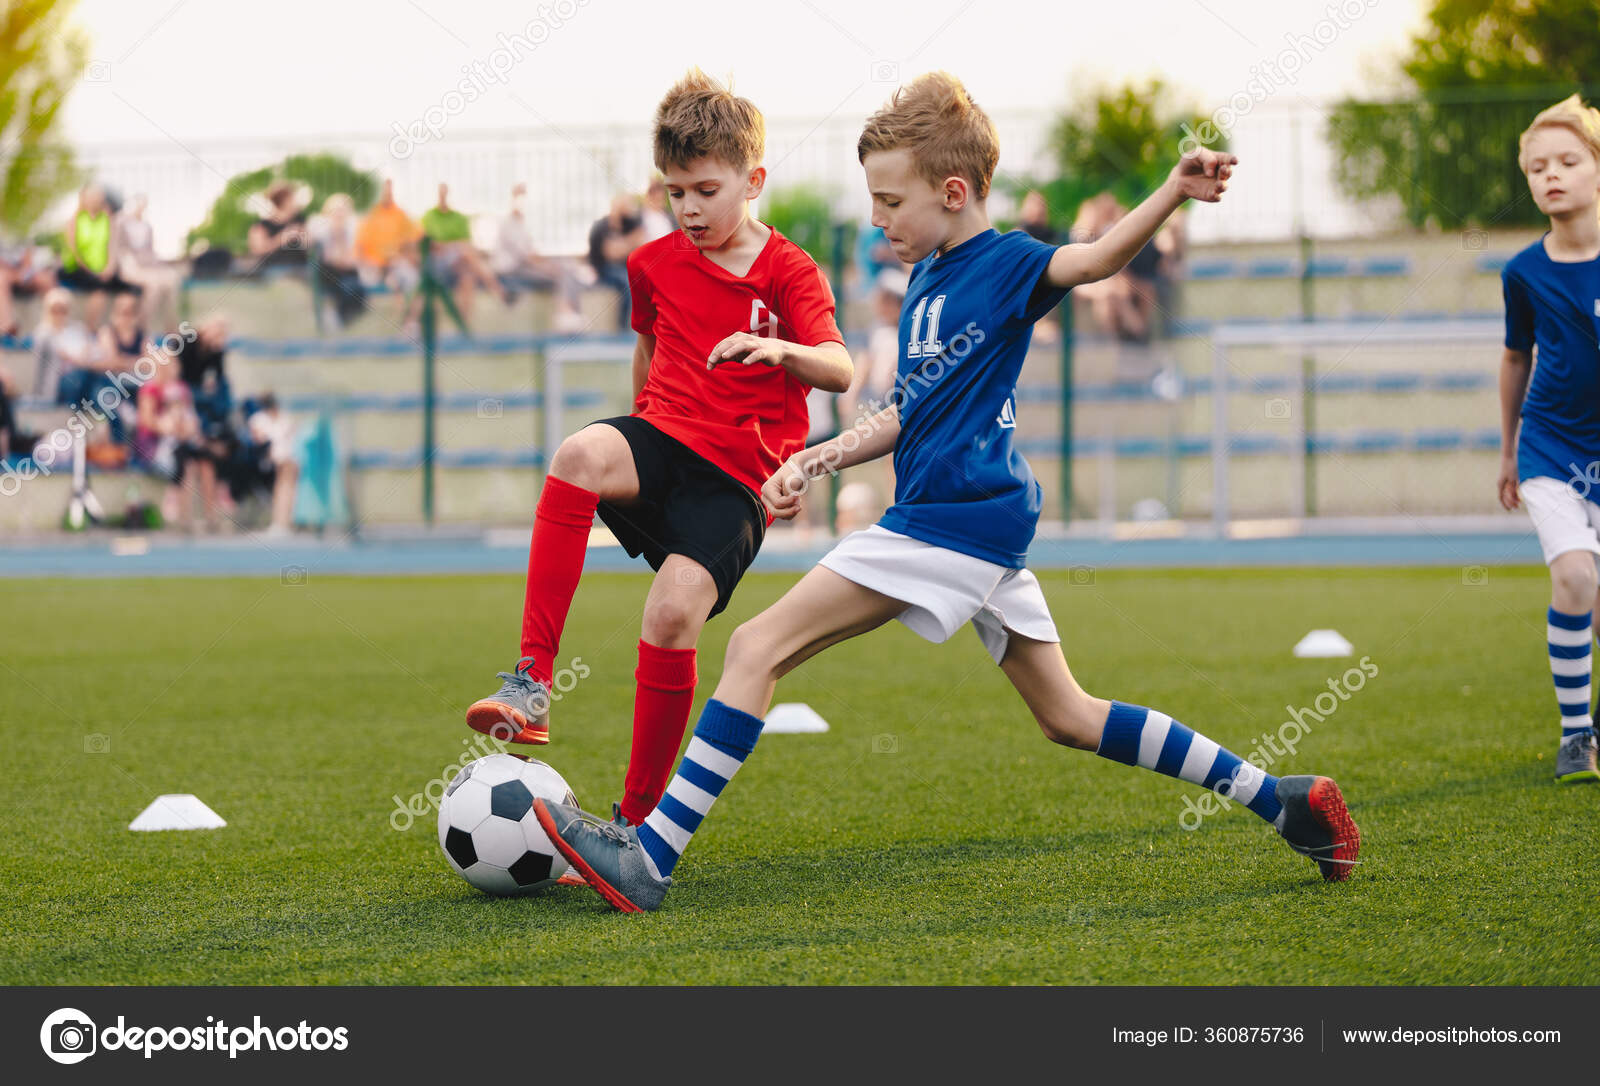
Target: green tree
[[41, 59], [227, 224], [804, 215], [1446, 145], [1119, 139]]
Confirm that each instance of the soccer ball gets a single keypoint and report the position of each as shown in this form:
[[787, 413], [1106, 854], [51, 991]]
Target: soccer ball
[[489, 832]]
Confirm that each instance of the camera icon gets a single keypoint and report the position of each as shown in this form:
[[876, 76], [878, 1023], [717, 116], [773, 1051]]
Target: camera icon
[[1279, 408], [68, 1036], [1474, 240], [491, 408], [883, 71], [689, 576], [292, 575], [97, 71], [1474, 575], [97, 743], [1080, 575], [886, 743]]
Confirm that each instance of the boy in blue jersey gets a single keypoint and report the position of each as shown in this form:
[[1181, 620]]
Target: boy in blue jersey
[[1552, 292], [953, 547]]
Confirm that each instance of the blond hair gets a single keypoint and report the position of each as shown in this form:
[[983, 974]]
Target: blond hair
[[701, 118], [938, 122], [1569, 113]]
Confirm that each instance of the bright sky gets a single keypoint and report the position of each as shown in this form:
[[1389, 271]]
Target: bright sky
[[223, 69]]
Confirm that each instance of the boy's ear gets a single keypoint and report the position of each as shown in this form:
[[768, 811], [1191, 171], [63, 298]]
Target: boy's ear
[[756, 182], [957, 193]]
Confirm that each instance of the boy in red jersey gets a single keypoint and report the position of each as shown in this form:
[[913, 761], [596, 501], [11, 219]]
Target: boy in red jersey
[[735, 326]]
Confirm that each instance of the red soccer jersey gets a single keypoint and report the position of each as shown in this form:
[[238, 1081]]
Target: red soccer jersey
[[747, 420]]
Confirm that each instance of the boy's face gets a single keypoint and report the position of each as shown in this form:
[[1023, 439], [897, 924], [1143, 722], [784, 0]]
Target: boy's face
[[912, 213], [709, 198], [1562, 173]]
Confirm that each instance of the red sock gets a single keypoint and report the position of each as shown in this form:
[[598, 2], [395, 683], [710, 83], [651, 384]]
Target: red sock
[[666, 680], [555, 561]]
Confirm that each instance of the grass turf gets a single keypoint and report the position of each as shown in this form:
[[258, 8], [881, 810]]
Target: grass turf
[[932, 837]]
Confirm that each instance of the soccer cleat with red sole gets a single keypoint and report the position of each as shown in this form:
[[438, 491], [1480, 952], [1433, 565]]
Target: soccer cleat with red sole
[[519, 712], [606, 854], [1316, 823]]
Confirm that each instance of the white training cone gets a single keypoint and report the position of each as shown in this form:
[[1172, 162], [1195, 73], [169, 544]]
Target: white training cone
[[794, 717], [1324, 643], [180, 811]]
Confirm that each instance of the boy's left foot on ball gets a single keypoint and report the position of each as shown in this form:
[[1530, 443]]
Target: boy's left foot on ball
[[606, 854], [519, 712], [1316, 823]]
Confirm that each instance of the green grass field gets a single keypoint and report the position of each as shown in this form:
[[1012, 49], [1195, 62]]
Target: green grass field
[[973, 851]]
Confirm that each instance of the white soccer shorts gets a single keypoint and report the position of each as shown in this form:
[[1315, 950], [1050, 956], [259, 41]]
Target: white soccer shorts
[[945, 589], [1565, 519]]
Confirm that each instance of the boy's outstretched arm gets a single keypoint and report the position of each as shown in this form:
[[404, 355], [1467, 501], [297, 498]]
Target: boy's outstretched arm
[[868, 439], [1515, 368], [1202, 175], [826, 366]]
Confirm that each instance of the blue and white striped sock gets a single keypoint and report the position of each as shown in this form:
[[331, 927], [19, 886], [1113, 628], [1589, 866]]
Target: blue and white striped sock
[[1570, 662], [1135, 735], [723, 739]]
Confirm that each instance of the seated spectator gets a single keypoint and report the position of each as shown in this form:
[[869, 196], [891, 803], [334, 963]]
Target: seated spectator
[[273, 429], [1034, 219], [201, 369], [456, 264], [874, 256], [656, 218], [25, 270], [611, 239], [137, 263], [520, 266], [386, 248], [168, 439], [278, 238], [333, 237], [89, 262], [1123, 304], [12, 440]]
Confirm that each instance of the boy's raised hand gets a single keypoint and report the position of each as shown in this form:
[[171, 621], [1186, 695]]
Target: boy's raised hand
[[748, 349], [1203, 174]]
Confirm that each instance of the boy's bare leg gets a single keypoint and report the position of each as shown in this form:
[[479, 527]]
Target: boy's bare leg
[[822, 610], [1065, 712]]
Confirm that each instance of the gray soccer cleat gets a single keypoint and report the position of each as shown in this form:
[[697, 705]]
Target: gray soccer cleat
[[606, 854], [519, 712], [1575, 759], [1316, 823]]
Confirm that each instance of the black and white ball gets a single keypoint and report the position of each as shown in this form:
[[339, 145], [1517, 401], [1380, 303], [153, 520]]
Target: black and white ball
[[489, 832]]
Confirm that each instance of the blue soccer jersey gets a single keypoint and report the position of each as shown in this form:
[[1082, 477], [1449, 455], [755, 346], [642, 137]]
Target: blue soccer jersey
[[1556, 306], [964, 333]]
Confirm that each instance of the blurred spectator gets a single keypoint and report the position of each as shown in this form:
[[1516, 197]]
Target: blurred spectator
[[1034, 219], [89, 262], [71, 368], [25, 270], [201, 369], [875, 372], [278, 238], [1173, 244], [520, 266], [11, 439], [456, 264], [611, 239], [168, 439], [138, 264], [333, 239], [386, 247], [656, 219], [874, 255], [1123, 304], [122, 339], [273, 430]]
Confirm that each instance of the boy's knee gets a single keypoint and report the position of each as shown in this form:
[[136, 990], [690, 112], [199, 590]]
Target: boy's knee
[[580, 460], [749, 651], [674, 618], [1575, 580], [1076, 722]]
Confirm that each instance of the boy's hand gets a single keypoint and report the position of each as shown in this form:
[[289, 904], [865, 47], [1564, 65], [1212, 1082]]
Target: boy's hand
[[749, 349], [1203, 174], [1507, 483], [782, 493]]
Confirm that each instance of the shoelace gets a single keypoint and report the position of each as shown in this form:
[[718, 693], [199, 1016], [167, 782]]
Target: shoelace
[[518, 684], [607, 829], [1316, 852]]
